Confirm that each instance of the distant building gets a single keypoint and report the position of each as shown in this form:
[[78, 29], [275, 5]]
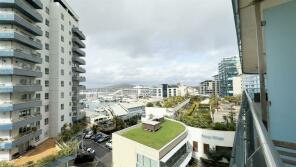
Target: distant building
[[228, 68], [217, 85], [208, 87], [237, 85], [127, 110], [166, 90]]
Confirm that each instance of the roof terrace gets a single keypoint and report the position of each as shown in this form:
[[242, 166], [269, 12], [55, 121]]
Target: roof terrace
[[168, 131]]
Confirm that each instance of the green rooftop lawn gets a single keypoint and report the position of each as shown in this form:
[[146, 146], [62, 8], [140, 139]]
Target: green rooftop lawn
[[168, 131]]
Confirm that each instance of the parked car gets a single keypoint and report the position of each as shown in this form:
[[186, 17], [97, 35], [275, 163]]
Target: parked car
[[109, 144], [90, 150], [98, 135], [88, 135], [103, 138]]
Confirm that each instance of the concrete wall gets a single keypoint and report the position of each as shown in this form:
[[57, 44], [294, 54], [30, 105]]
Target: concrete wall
[[211, 137]]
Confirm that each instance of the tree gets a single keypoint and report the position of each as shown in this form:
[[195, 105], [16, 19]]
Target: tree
[[149, 104], [158, 104], [119, 123], [95, 128]]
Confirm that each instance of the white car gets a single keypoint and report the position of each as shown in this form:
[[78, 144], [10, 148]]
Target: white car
[[109, 144], [90, 150]]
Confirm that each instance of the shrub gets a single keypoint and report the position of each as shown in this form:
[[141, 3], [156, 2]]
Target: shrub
[[149, 104], [6, 164]]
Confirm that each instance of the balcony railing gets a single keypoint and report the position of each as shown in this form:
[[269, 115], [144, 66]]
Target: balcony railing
[[20, 122], [8, 106], [79, 33], [17, 37], [252, 144], [78, 60], [33, 57], [79, 69], [78, 52], [24, 8], [36, 3], [8, 88], [78, 42], [20, 71], [12, 18]]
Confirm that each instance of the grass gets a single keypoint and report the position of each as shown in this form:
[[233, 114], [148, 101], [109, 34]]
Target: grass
[[168, 131]]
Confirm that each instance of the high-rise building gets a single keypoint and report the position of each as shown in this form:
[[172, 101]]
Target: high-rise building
[[40, 52], [207, 87], [228, 68]]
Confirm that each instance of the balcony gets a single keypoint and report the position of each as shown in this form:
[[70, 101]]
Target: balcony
[[78, 33], [19, 54], [78, 42], [78, 52], [36, 4], [17, 37], [20, 122], [82, 87], [20, 139], [79, 79], [20, 71], [21, 105], [78, 60], [4, 88], [11, 18], [252, 144], [24, 8], [78, 69]]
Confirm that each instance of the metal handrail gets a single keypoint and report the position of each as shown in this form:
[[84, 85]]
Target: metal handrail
[[271, 157], [251, 137]]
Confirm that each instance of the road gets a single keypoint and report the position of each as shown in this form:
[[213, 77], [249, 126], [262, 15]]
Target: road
[[103, 154]]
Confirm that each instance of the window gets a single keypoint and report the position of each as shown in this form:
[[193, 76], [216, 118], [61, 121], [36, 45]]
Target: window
[[70, 63], [46, 46], [38, 96], [70, 104], [195, 146], [206, 148], [38, 82], [46, 96], [70, 93], [46, 58], [70, 73], [62, 27], [62, 72], [62, 106], [62, 49], [46, 22], [70, 43], [70, 83], [62, 38], [70, 23], [62, 83], [62, 16], [37, 138], [46, 108], [46, 121], [62, 94], [47, 10], [46, 70], [47, 34], [62, 61], [62, 118], [70, 33], [46, 83]]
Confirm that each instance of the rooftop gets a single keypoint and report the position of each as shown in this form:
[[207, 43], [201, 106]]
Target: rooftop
[[169, 130]]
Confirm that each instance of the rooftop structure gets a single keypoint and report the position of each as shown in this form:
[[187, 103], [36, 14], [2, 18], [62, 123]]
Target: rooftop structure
[[167, 146]]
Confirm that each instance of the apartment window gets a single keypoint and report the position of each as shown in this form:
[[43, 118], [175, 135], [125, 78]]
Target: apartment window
[[46, 70], [70, 63], [37, 139], [62, 83], [70, 33], [70, 83], [70, 43], [38, 109], [47, 10], [46, 121], [206, 148], [46, 96], [62, 106], [62, 27], [195, 146], [62, 49], [46, 22], [47, 46], [62, 118], [62, 38], [70, 93], [38, 82], [46, 83], [62, 16], [46, 58], [62, 72], [46, 108], [62, 94], [70, 23], [70, 104], [47, 34], [38, 96], [70, 73], [62, 61]]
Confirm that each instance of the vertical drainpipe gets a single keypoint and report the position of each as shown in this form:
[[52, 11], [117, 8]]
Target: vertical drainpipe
[[261, 61]]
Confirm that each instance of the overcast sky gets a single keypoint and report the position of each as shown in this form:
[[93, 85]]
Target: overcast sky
[[155, 41]]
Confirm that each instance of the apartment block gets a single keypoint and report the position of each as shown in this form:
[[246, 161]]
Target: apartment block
[[167, 90], [208, 87], [40, 73], [228, 68]]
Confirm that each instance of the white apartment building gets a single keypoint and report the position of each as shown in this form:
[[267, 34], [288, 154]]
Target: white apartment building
[[39, 72], [237, 85], [166, 90]]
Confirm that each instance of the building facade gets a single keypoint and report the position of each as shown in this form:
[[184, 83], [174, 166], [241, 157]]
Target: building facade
[[228, 68], [167, 90], [208, 87], [38, 67], [237, 85]]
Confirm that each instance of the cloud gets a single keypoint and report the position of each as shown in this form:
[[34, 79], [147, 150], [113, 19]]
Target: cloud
[[155, 41]]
